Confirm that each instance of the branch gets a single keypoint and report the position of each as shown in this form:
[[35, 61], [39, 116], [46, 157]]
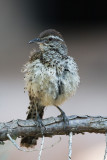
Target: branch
[[54, 126]]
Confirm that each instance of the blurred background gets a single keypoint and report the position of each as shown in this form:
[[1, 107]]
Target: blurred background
[[83, 25]]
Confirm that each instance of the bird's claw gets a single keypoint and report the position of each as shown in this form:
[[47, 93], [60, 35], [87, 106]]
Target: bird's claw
[[65, 118], [41, 124]]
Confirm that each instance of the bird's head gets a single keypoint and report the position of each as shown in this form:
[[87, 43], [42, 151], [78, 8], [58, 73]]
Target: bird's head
[[49, 39]]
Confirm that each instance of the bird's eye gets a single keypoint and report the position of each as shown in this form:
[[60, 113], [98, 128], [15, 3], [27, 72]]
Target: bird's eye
[[50, 39]]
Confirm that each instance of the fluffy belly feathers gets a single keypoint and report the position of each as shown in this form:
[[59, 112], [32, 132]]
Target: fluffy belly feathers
[[43, 83]]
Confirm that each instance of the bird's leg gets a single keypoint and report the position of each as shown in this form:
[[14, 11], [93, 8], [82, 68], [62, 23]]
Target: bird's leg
[[39, 120], [65, 118]]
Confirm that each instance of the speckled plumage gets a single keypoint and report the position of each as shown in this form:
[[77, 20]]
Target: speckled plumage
[[51, 76]]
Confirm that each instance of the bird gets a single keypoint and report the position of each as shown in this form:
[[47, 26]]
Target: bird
[[51, 77]]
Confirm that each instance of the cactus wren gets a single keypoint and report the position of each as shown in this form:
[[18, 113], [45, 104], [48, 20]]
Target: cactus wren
[[51, 77]]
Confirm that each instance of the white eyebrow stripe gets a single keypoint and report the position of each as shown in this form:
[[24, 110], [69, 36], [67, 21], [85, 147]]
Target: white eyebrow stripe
[[55, 37]]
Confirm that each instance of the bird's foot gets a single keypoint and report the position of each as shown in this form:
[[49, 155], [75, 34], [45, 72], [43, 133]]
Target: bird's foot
[[65, 118], [41, 124]]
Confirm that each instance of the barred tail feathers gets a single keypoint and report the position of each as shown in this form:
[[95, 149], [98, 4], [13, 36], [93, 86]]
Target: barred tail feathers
[[31, 141]]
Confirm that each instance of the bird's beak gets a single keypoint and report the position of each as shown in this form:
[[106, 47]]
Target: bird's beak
[[37, 40]]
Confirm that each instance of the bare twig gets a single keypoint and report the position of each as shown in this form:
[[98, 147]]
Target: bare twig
[[70, 146], [18, 147], [13, 141], [41, 148], [105, 155], [31, 150], [54, 126]]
